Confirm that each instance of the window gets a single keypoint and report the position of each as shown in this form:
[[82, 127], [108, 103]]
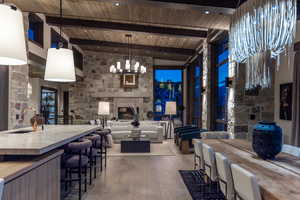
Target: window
[[36, 29], [55, 39], [197, 107], [78, 58], [221, 89], [167, 87]]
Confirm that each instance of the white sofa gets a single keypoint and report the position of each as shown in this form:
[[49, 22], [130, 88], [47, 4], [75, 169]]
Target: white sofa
[[153, 132]]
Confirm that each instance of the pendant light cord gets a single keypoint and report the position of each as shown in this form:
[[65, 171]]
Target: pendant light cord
[[60, 42]]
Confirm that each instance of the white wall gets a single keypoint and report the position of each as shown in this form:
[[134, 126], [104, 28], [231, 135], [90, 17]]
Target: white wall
[[284, 74]]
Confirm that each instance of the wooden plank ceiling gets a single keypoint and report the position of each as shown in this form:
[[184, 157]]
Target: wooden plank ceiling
[[184, 14]]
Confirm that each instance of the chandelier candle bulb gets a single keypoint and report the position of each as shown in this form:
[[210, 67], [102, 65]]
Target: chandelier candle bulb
[[127, 65], [136, 66]]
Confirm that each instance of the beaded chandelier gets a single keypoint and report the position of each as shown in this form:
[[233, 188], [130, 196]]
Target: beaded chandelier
[[261, 30]]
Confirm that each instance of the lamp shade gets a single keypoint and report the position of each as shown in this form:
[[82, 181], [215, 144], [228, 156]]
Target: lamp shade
[[103, 108], [171, 108], [12, 37], [60, 65]]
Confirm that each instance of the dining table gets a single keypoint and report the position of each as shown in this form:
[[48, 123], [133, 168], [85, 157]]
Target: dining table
[[278, 179]]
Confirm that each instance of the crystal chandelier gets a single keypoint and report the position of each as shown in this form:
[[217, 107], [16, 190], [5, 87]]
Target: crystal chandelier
[[131, 65], [261, 30]]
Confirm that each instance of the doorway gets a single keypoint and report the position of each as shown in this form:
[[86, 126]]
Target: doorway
[[49, 105]]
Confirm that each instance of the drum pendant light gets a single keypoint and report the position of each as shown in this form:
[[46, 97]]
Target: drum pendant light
[[60, 62], [12, 36]]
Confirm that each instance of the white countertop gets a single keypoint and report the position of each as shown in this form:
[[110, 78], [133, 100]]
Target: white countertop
[[40, 142]]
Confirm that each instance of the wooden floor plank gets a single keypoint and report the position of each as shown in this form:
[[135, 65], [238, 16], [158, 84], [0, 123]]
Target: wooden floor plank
[[143, 178]]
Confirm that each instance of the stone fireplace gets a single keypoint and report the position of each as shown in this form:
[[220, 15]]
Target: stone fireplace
[[122, 107]]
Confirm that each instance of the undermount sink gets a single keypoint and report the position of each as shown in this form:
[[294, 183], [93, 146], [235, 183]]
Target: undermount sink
[[20, 132]]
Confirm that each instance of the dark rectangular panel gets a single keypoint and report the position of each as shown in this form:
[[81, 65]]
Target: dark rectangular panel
[[125, 27], [4, 84]]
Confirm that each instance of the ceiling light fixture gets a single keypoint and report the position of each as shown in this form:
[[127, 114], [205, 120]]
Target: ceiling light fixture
[[12, 36], [261, 31], [60, 61], [130, 66]]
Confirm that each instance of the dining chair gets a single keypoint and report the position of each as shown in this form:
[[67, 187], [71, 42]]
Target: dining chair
[[225, 176], [209, 163], [292, 150], [198, 156], [245, 184]]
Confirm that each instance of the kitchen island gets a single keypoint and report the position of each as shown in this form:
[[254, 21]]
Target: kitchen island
[[30, 163]]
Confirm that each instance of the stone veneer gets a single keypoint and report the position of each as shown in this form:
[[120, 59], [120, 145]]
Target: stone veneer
[[18, 113], [206, 98], [101, 85], [241, 106]]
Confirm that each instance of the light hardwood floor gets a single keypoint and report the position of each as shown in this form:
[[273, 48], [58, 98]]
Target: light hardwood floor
[[143, 178]]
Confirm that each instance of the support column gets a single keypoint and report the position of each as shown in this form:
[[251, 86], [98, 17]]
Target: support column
[[207, 84]]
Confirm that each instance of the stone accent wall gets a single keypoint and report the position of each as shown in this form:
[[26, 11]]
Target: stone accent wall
[[260, 106], [18, 113], [101, 85]]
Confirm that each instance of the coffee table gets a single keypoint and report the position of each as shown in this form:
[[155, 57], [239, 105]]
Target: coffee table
[[135, 146]]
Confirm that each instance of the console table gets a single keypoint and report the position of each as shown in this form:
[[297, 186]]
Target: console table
[[135, 146]]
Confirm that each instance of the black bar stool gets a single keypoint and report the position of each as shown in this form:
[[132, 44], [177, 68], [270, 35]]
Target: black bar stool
[[93, 154], [76, 162], [101, 145]]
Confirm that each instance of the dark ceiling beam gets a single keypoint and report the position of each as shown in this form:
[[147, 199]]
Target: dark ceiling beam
[[56, 21], [206, 3], [133, 46]]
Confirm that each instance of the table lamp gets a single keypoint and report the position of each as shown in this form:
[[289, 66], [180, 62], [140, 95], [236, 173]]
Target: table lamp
[[103, 110], [171, 109]]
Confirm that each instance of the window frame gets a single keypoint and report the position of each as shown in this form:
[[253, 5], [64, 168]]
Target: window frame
[[38, 23], [159, 67]]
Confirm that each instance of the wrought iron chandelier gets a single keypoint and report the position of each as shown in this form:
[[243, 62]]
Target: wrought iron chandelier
[[261, 30], [130, 66]]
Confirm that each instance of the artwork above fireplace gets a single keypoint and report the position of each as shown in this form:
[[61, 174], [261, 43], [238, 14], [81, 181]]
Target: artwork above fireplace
[[126, 113]]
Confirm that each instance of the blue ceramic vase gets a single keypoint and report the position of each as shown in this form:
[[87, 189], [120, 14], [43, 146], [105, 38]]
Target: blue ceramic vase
[[267, 140]]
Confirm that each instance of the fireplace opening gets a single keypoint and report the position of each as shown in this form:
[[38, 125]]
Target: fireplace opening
[[126, 113]]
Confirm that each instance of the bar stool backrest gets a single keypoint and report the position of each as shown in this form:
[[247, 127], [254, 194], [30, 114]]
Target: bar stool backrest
[[209, 162], [245, 184], [292, 150], [198, 152], [225, 176], [81, 145]]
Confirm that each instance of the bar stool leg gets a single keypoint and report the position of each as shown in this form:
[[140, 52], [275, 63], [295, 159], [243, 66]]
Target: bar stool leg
[[80, 177], [95, 167], [105, 153], [85, 178]]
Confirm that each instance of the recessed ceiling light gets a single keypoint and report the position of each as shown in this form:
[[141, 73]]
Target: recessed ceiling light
[[117, 4], [207, 12]]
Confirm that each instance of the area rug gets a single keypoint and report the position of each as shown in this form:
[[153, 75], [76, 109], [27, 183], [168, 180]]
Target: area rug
[[157, 149], [197, 187]]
